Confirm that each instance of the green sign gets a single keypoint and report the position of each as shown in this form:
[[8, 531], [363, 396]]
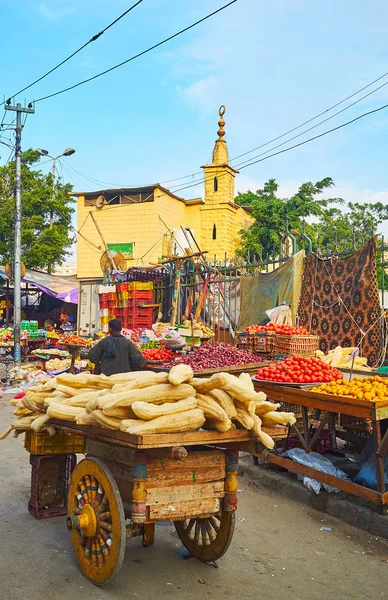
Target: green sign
[[125, 249]]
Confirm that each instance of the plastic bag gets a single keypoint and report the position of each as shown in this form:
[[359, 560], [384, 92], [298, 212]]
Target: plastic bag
[[367, 475], [172, 339], [319, 462], [280, 315]]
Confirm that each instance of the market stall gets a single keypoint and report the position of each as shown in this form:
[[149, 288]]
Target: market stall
[[330, 406]]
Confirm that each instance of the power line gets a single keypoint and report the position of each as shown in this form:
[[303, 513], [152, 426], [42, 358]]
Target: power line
[[281, 151], [124, 62], [99, 182], [92, 39], [240, 165], [370, 112], [291, 147], [316, 116], [314, 126]]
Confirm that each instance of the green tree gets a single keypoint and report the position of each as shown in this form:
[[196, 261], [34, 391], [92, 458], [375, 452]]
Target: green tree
[[42, 247], [335, 225], [271, 213], [350, 227]]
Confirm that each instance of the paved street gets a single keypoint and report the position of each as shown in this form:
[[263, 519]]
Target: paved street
[[278, 552]]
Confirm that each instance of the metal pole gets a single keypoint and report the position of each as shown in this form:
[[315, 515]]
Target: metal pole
[[53, 175], [18, 232], [18, 223]]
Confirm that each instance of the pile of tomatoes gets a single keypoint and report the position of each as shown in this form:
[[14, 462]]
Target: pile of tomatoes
[[299, 370], [157, 354], [280, 329]]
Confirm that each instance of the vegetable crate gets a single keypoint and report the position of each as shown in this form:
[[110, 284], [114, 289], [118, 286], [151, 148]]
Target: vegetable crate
[[297, 410], [296, 345], [141, 285], [363, 428], [141, 295], [50, 476], [60, 443], [257, 343]]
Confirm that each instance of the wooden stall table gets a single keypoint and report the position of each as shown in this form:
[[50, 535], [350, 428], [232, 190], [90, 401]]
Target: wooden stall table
[[127, 483], [330, 406]]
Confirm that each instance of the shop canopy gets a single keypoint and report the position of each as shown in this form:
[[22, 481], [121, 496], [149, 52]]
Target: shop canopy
[[62, 288]]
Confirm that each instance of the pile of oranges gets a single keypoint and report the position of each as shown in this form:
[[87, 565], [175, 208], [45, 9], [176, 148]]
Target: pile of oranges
[[374, 389]]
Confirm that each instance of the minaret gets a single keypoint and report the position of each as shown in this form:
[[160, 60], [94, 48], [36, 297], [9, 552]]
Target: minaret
[[218, 227], [219, 176]]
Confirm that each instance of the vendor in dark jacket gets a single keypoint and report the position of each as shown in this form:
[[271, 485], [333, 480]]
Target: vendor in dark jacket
[[115, 354]]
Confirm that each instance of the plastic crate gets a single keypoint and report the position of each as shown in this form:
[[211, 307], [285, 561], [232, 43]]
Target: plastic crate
[[141, 295], [50, 476], [141, 285], [60, 443], [139, 322]]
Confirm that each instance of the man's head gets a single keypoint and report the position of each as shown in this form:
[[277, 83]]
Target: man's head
[[114, 326]]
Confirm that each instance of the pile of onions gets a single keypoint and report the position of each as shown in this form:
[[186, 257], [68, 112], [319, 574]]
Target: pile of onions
[[216, 355]]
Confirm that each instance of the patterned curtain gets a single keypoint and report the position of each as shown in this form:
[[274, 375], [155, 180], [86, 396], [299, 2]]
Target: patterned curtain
[[340, 301]]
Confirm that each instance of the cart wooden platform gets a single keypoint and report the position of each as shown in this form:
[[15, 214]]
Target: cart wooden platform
[[127, 483]]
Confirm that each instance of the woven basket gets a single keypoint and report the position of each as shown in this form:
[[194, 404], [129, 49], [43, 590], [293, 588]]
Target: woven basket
[[296, 345], [257, 342]]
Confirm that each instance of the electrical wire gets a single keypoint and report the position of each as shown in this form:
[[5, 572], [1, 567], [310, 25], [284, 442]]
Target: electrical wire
[[124, 62], [253, 162], [240, 165], [99, 182], [363, 115], [314, 126], [92, 39], [74, 178], [370, 112], [316, 116]]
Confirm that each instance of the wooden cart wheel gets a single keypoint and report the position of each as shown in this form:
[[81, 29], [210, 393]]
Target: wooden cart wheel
[[96, 521], [207, 539]]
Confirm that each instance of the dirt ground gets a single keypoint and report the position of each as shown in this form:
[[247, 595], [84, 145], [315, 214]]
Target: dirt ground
[[279, 551]]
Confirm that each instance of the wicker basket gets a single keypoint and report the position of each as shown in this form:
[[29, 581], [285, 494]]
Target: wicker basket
[[363, 427], [256, 342], [296, 345]]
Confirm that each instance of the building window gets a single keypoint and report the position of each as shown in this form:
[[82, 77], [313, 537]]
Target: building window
[[215, 184], [214, 232]]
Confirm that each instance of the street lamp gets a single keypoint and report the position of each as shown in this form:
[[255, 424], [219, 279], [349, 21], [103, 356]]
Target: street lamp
[[67, 152]]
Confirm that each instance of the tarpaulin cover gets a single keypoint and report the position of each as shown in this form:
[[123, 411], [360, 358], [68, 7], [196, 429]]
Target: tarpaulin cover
[[62, 288], [340, 301], [262, 291]]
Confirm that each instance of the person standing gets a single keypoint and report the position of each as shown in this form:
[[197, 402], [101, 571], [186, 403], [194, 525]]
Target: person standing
[[115, 353]]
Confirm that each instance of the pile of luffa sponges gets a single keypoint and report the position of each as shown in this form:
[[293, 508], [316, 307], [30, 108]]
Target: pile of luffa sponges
[[144, 402]]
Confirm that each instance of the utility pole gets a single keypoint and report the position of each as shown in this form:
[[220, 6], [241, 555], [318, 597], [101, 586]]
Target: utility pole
[[18, 224]]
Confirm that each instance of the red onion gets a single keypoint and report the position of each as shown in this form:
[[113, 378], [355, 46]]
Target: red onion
[[216, 355]]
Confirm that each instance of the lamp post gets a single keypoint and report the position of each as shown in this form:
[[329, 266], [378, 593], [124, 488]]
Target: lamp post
[[67, 152]]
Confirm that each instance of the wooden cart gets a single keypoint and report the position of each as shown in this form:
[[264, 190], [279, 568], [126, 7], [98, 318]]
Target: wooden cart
[[127, 483]]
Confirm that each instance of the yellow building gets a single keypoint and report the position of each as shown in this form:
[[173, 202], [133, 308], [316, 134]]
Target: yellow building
[[147, 223]]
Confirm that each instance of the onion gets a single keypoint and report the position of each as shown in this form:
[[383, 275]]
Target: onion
[[214, 355]]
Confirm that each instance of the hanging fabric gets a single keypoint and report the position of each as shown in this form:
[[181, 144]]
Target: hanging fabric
[[263, 291], [340, 301]]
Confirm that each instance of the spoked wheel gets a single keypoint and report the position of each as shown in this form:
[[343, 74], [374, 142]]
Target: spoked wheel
[[96, 521], [207, 539]]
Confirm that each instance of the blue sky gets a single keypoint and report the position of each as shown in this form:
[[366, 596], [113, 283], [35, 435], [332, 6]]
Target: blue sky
[[273, 64]]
